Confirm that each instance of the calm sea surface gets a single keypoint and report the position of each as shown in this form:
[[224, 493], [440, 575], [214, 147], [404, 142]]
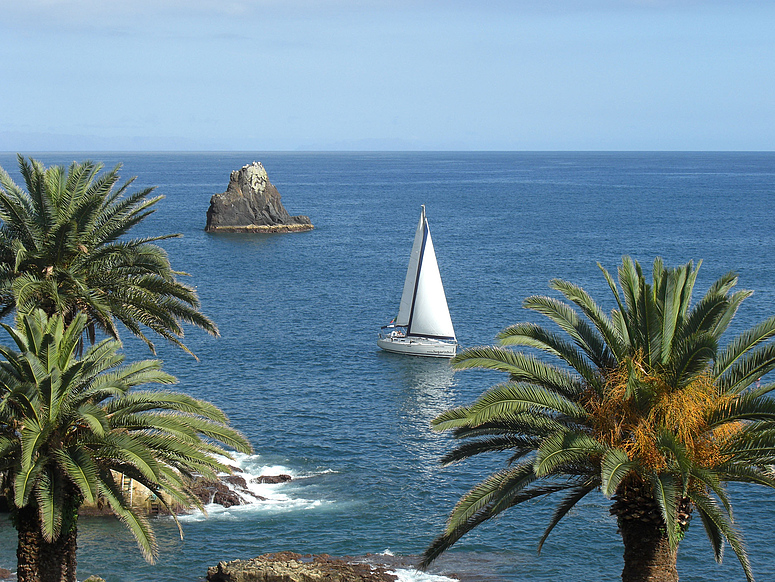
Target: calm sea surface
[[298, 370]]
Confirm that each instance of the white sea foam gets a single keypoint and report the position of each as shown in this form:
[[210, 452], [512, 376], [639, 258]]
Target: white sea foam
[[404, 573], [412, 575], [260, 497]]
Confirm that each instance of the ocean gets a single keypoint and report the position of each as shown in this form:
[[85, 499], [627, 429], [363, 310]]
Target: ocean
[[298, 371]]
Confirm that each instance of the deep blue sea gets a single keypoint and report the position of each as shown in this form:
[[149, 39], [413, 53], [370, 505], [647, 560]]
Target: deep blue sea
[[298, 370]]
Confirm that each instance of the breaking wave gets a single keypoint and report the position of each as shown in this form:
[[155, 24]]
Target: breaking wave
[[261, 487]]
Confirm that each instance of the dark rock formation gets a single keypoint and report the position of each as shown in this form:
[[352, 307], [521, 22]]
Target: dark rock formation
[[251, 203], [290, 567], [272, 479], [219, 492], [236, 480]]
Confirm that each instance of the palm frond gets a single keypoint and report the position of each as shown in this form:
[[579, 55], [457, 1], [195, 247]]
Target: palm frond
[[80, 468], [584, 335], [674, 300], [714, 533], [594, 313], [521, 368], [494, 492], [449, 537], [136, 523], [742, 344], [666, 495], [518, 445], [614, 468], [48, 496], [718, 524], [689, 357], [747, 369], [569, 502], [511, 398], [566, 448], [747, 407], [535, 336]]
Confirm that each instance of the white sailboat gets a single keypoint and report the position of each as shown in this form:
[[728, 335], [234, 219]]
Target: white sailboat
[[423, 326]]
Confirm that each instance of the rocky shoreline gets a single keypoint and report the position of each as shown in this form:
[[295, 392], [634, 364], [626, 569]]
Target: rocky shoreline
[[292, 567], [289, 567], [227, 491], [263, 229]]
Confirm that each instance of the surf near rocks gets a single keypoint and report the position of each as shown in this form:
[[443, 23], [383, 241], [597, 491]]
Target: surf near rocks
[[226, 491]]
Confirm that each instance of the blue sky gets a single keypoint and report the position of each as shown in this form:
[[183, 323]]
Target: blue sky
[[264, 75]]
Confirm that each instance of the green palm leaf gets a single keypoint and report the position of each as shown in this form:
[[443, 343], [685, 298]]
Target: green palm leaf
[[666, 495], [511, 398], [63, 248], [742, 344], [566, 448], [568, 503], [718, 522], [76, 419], [495, 491], [531, 335], [690, 356], [614, 468], [520, 368], [640, 403], [48, 496], [81, 470], [519, 446], [584, 335], [137, 524], [604, 325], [748, 368]]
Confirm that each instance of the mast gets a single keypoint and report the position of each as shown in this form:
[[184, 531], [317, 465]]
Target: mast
[[424, 232], [412, 270]]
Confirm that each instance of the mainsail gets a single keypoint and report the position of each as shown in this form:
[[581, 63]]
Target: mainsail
[[423, 308]]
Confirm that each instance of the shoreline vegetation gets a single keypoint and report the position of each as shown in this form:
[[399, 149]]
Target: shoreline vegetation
[[74, 427], [646, 404]]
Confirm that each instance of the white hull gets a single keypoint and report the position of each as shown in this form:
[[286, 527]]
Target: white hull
[[418, 346], [423, 314]]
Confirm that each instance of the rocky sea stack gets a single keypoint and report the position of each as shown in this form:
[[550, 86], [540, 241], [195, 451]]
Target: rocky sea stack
[[251, 203]]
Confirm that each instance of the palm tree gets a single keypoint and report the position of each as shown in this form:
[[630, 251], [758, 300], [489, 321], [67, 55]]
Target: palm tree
[[63, 248], [642, 405], [71, 428]]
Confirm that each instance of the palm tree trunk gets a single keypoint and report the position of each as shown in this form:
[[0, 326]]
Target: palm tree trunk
[[39, 560], [647, 553]]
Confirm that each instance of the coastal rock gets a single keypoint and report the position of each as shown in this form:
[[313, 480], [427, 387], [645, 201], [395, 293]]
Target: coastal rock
[[291, 567], [226, 490], [251, 203], [6, 574], [209, 491], [273, 479], [236, 480]]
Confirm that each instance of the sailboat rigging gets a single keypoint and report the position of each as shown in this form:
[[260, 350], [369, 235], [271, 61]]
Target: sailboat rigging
[[423, 326]]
